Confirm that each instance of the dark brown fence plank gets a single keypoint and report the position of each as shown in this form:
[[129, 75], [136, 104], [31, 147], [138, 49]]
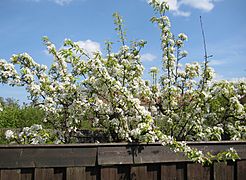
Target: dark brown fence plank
[[197, 172], [27, 174], [138, 172], [9, 157], [108, 173], [75, 172], [44, 174], [181, 171], [106, 155], [223, 171], [13, 174], [153, 171], [156, 153], [47, 157], [173, 171], [241, 170], [137, 155], [168, 171], [28, 156]]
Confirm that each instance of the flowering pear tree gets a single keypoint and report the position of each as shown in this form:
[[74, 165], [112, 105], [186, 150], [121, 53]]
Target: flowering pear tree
[[189, 105], [105, 90], [109, 92]]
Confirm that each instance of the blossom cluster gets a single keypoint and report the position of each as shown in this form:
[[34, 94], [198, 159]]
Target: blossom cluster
[[190, 105], [31, 135]]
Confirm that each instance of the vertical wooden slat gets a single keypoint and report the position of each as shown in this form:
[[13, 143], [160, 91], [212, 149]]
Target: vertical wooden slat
[[241, 170], [44, 174], [197, 172], [121, 172], [171, 171], [13, 174], [104, 172], [27, 174], [153, 171], [168, 171], [223, 171], [108, 173], [181, 171], [138, 172], [75, 172]]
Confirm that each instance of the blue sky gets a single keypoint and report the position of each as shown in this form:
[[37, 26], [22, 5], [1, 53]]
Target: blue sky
[[23, 23]]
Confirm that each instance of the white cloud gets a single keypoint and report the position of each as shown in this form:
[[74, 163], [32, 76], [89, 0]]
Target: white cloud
[[176, 5], [148, 57], [206, 5], [216, 62], [182, 13], [173, 5], [89, 46]]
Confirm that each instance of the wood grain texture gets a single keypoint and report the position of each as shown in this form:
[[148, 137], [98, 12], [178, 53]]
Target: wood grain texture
[[108, 173], [197, 172], [102, 154], [44, 174], [75, 172], [155, 153], [181, 171], [173, 171], [138, 172], [153, 171], [47, 157], [168, 171], [224, 171], [241, 170], [10, 174], [137, 155]]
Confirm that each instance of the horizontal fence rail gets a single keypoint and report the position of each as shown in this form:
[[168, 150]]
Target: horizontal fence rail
[[113, 161]]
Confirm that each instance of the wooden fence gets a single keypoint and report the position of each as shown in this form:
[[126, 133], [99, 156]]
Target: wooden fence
[[119, 161]]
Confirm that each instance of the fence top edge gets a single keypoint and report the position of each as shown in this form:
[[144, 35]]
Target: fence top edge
[[95, 145]]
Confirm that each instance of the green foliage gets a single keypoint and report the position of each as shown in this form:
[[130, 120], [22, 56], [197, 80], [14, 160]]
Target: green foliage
[[15, 116], [3, 140]]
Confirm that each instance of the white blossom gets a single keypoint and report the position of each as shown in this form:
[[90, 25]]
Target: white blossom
[[9, 134]]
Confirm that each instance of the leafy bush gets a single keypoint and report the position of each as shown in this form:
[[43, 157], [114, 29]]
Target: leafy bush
[[15, 116]]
